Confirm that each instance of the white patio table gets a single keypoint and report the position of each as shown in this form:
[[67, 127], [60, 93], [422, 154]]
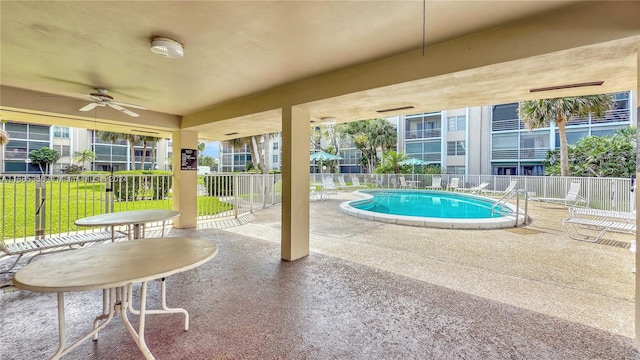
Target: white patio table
[[133, 217], [115, 267]]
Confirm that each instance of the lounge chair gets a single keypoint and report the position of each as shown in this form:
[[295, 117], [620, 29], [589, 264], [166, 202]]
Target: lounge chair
[[436, 183], [591, 224], [454, 184], [356, 182], [328, 185], [510, 188], [342, 184], [572, 198], [405, 185], [480, 188]]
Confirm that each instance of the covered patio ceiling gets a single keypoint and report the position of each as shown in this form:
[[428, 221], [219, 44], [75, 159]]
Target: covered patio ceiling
[[346, 60]]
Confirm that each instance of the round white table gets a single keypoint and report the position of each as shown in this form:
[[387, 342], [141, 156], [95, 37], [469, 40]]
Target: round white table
[[133, 217], [115, 266]]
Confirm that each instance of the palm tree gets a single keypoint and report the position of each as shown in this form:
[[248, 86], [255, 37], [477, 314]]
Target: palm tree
[[145, 141], [82, 156], [392, 159], [383, 134], [540, 113], [112, 137]]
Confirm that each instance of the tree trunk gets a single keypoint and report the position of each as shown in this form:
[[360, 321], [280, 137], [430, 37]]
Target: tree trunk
[[266, 160], [153, 154], [144, 154], [255, 153], [564, 151], [132, 153]]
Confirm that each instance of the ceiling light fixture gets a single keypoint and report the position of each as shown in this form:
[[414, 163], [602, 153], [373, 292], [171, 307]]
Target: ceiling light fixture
[[167, 48], [395, 109], [329, 120], [568, 86]]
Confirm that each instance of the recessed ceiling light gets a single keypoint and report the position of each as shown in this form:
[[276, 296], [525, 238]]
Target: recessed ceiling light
[[568, 86], [167, 47]]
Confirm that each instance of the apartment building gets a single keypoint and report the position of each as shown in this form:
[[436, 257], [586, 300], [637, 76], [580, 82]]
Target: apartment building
[[492, 139], [14, 156], [234, 158]]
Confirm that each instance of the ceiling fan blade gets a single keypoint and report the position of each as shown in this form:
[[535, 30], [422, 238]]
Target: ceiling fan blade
[[129, 105], [89, 106], [120, 108]]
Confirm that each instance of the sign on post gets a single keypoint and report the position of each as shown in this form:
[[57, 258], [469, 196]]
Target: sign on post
[[189, 159]]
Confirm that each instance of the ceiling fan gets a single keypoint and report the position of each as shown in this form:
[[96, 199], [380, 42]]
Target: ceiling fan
[[101, 98]]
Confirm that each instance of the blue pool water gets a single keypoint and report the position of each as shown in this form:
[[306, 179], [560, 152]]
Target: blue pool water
[[424, 203]]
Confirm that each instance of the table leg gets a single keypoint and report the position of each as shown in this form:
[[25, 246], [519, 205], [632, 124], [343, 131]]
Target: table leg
[[138, 337], [136, 231], [62, 328], [163, 304]]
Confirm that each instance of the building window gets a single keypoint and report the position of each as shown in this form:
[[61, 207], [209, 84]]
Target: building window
[[456, 170], [63, 150], [275, 146], [456, 148], [457, 123], [505, 117], [61, 132], [274, 158]]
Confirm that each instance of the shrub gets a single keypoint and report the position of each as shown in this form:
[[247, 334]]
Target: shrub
[[73, 169], [141, 184]]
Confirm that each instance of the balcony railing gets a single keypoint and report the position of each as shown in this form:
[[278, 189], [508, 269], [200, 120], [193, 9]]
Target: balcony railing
[[423, 134]]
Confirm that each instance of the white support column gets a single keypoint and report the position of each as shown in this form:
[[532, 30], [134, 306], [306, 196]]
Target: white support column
[[185, 182], [296, 130]]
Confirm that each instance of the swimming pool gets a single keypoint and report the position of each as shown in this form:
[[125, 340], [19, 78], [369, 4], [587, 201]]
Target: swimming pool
[[440, 209]]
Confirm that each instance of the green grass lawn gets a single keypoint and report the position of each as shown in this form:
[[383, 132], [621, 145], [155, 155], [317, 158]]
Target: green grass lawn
[[68, 201]]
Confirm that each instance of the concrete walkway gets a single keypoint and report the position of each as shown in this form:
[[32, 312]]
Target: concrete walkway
[[368, 291]]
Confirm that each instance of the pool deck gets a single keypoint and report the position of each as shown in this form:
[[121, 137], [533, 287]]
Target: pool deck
[[370, 290]]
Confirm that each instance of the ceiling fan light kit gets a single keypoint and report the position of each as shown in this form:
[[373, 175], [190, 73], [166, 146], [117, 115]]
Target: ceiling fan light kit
[[329, 120], [101, 98], [167, 48]]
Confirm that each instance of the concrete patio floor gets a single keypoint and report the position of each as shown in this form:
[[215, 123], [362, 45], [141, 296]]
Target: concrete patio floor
[[369, 290]]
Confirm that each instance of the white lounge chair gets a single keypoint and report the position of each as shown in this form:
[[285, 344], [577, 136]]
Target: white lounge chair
[[572, 198], [454, 184], [405, 185], [342, 184], [591, 224], [480, 188], [328, 186], [436, 183], [510, 188], [598, 227], [356, 182]]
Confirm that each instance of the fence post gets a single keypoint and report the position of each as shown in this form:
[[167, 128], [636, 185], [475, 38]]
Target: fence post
[[251, 184], [235, 195], [41, 207]]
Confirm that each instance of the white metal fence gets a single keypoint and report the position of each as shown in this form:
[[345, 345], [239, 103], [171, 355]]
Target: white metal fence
[[602, 193], [34, 206], [224, 195], [40, 206]]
